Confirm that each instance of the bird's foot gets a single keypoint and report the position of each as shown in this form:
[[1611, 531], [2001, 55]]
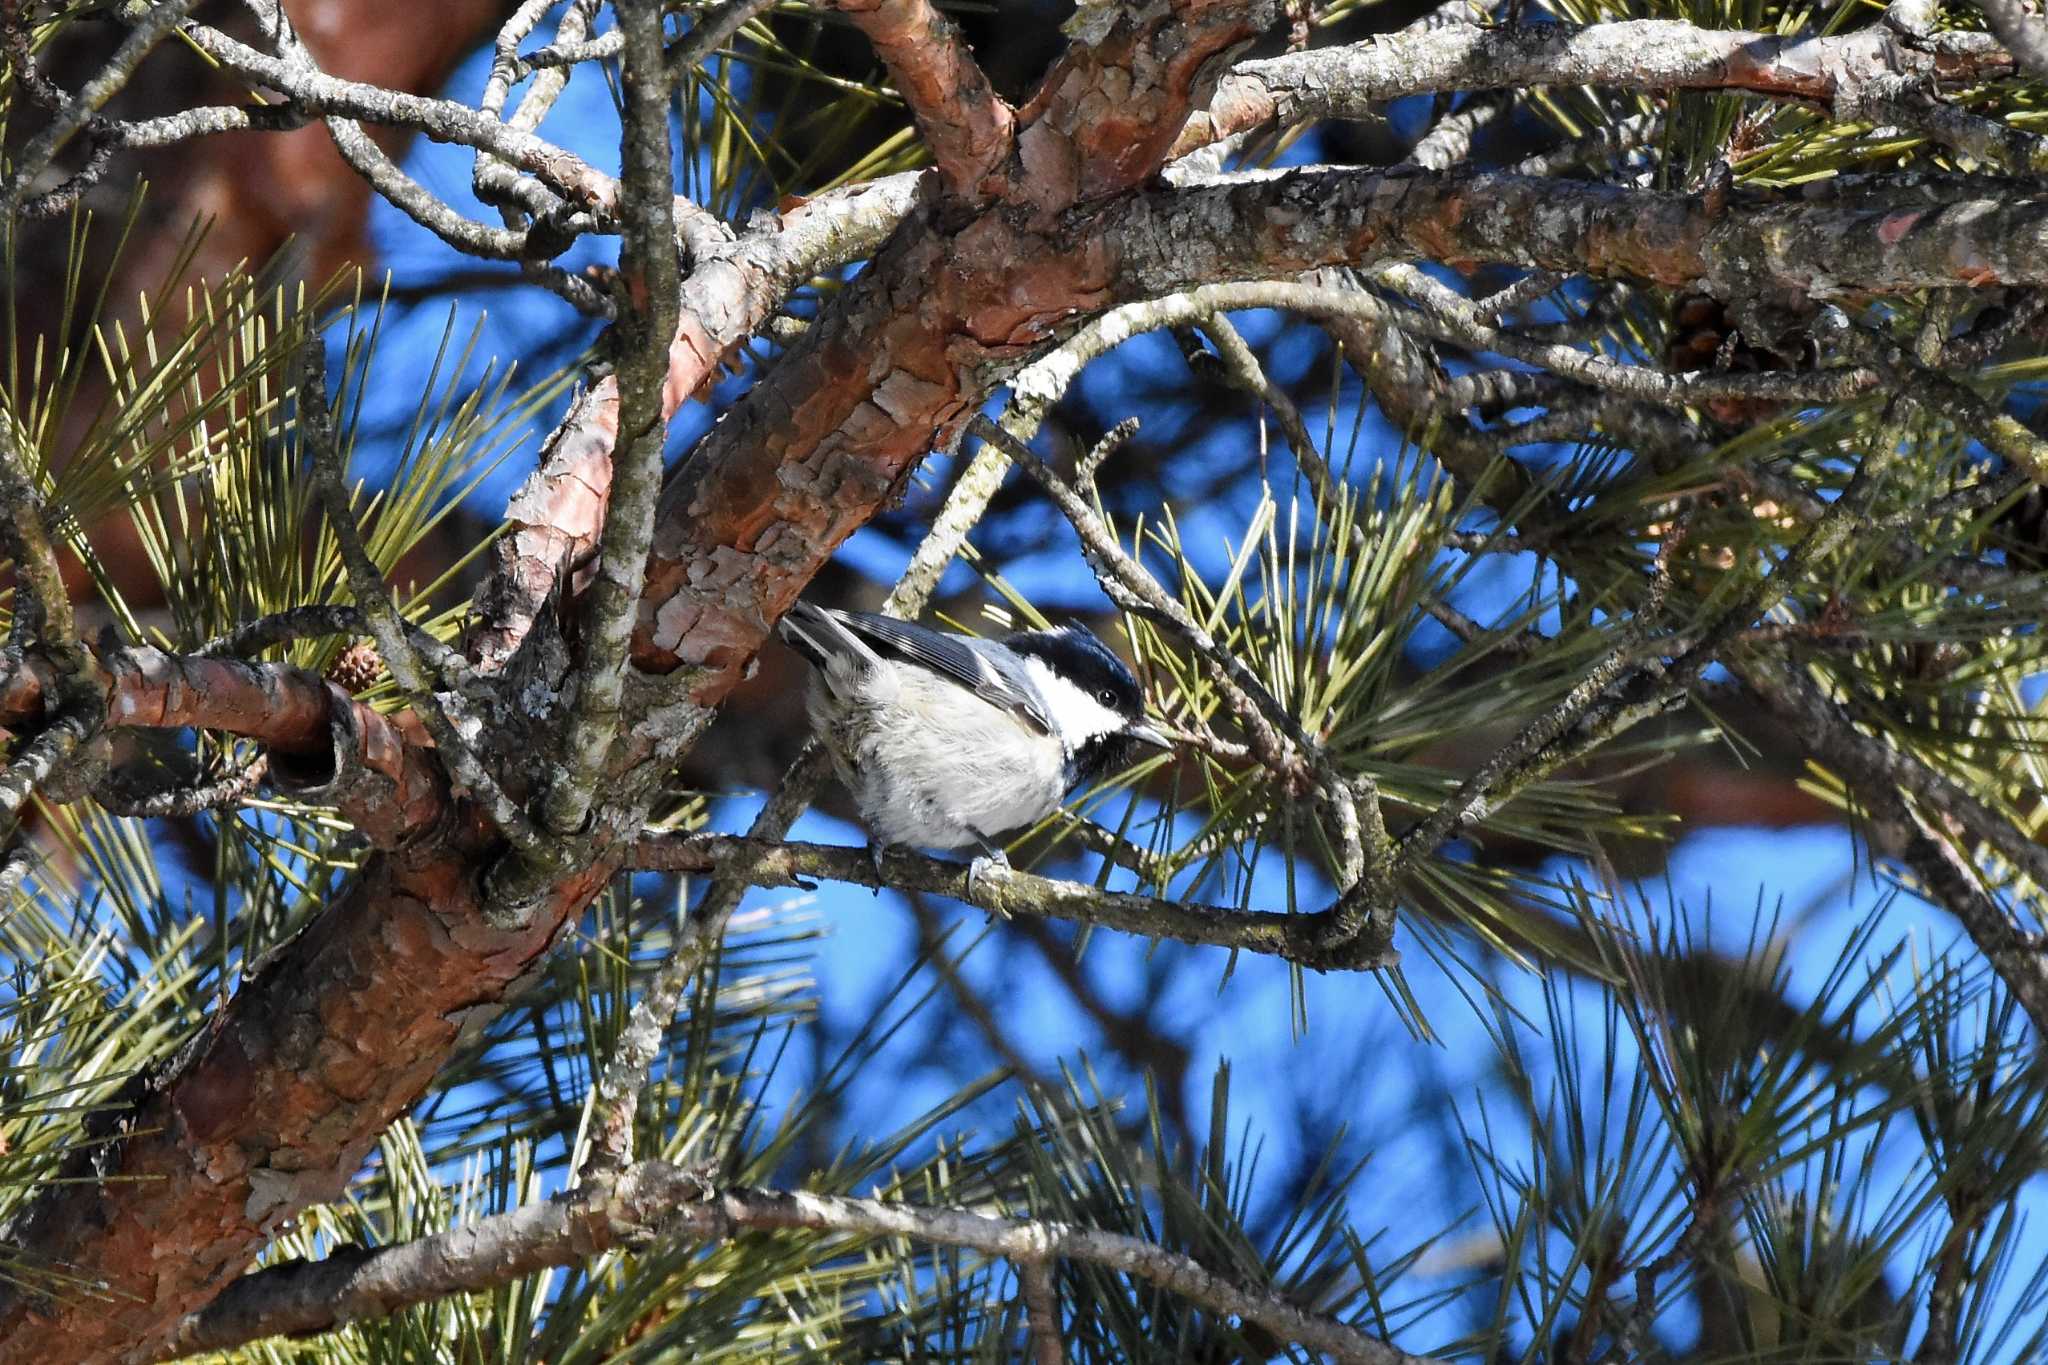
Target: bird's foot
[[876, 851], [990, 862]]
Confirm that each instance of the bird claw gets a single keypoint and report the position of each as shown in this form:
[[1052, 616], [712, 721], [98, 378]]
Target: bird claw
[[992, 862], [876, 850]]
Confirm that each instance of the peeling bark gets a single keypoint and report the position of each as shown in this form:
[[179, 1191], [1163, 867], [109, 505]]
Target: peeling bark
[[914, 346], [962, 120], [275, 1105]]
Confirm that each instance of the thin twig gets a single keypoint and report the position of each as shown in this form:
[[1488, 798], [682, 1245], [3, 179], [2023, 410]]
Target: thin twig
[[295, 77], [221, 793], [387, 625], [648, 262], [1041, 1310], [1016, 893], [1275, 733], [281, 627], [1875, 765], [83, 110]]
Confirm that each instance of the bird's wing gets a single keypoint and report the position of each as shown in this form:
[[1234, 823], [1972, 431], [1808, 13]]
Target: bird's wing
[[977, 665], [821, 636]]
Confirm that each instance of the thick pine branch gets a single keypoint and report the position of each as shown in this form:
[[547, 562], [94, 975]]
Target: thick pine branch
[[963, 121]]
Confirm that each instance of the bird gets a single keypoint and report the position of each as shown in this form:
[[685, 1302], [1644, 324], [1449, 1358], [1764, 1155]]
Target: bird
[[947, 741]]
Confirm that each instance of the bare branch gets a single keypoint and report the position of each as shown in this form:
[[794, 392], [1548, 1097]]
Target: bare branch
[[83, 110], [1042, 1311], [41, 758], [765, 862], [1266, 227], [967, 126], [1644, 54], [652, 277], [315, 91], [294, 623], [220, 793], [655, 1201], [383, 174]]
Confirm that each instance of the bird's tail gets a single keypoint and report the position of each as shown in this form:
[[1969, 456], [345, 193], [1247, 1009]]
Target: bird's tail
[[818, 634]]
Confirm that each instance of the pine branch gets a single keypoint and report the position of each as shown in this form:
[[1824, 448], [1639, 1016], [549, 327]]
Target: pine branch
[[1364, 912], [651, 274], [409, 669], [382, 174], [910, 348], [1881, 778], [226, 792], [967, 126], [558, 514], [293, 623], [654, 1201], [314, 91], [82, 111], [323, 743], [1276, 226], [1645, 54], [1040, 1293], [42, 607], [1310, 939]]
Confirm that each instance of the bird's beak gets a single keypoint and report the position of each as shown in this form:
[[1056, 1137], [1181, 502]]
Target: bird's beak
[[1145, 734]]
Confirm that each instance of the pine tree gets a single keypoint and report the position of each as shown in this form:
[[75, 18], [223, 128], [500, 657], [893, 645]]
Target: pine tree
[[1506, 443]]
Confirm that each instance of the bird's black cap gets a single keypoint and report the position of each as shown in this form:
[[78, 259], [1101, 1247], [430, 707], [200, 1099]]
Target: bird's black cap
[[1075, 654]]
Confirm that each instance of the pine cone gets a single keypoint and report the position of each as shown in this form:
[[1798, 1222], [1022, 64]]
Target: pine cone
[[357, 667], [1704, 336]]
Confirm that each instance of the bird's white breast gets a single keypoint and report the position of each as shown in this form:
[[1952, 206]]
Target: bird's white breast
[[932, 765]]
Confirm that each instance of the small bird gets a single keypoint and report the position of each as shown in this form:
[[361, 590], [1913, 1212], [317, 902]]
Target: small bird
[[946, 741]]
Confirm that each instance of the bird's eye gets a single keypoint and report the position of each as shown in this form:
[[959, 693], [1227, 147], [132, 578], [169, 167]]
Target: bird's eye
[[1106, 697]]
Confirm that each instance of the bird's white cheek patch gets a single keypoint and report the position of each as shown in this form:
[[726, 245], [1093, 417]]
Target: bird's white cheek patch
[[1077, 715]]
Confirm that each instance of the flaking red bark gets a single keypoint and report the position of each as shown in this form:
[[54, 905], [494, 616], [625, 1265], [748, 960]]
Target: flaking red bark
[[276, 1103]]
